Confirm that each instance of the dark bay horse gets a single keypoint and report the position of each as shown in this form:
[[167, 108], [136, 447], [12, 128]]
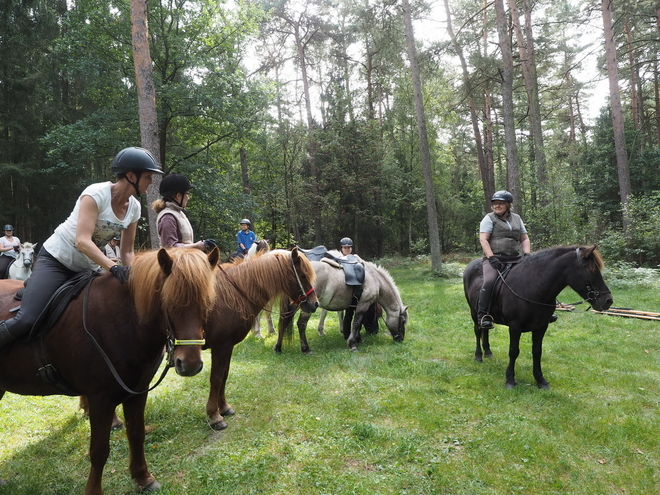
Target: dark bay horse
[[527, 299], [335, 295], [244, 289], [164, 303]]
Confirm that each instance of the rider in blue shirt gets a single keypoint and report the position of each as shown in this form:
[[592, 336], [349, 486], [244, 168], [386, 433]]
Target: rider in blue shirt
[[245, 238]]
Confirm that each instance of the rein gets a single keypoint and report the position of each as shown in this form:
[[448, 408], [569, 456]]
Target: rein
[[170, 348], [592, 294]]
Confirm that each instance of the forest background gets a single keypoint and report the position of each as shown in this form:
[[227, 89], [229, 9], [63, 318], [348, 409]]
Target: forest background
[[303, 117]]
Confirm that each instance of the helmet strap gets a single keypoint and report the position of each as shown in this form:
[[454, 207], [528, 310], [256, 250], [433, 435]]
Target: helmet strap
[[135, 184]]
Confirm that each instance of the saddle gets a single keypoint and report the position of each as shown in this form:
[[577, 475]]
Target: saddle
[[351, 264], [47, 319]]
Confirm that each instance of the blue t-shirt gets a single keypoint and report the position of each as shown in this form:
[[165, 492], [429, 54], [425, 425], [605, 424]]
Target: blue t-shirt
[[245, 238]]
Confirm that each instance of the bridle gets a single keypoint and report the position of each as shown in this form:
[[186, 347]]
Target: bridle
[[301, 298], [592, 294], [171, 343]]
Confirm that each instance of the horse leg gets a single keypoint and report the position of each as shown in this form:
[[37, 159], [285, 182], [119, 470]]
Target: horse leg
[[485, 343], [537, 351], [83, 403], [134, 415], [302, 331], [478, 333], [269, 319], [287, 312], [256, 327], [321, 328], [354, 336], [514, 351], [216, 406], [100, 420]]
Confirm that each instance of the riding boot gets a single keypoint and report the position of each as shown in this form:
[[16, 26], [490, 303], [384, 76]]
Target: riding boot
[[6, 337], [484, 320]]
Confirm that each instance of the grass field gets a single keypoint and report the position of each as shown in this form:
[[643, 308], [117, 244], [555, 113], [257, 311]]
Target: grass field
[[420, 417]]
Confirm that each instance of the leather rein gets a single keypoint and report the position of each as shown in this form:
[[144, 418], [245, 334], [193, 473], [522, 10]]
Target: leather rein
[[592, 294]]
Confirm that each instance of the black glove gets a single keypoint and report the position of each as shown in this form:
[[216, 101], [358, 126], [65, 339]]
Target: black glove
[[209, 244], [121, 272], [245, 251], [17, 248], [495, 263]]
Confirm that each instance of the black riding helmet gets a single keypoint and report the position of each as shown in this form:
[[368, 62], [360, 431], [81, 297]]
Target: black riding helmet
[[173, 184], [135, 160], [346, 241], [502, 196], [7, 227]]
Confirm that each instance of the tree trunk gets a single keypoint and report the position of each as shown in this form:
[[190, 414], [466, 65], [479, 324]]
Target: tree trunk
[[486, 170], [146, 91], [528, 65], [512, 172], [617, 116], [244, 170], [431, 211]]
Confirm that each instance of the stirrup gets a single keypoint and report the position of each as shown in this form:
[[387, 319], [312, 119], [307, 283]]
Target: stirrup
[[486, 322]]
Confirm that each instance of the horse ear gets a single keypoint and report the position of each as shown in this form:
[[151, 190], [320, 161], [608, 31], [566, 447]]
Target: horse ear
[[294, 254], [588, 251], [165, 261], [214, 257]]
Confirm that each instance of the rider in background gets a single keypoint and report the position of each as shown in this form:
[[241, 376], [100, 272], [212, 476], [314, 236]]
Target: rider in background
[[102, 211], [504, 239], [10, 245], [244, 238], [111, 250], [174, 228]]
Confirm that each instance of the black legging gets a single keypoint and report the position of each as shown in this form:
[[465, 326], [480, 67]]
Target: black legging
[[48, 276], [5, 261]]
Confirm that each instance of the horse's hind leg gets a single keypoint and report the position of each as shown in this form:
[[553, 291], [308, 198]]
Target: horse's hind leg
[[321, 327], [100, 420], [256, 326], [537, 351]]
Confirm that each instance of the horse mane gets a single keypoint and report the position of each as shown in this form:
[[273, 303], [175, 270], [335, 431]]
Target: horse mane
[[593, 260], [388, 277], [263, 277], [191, 283]]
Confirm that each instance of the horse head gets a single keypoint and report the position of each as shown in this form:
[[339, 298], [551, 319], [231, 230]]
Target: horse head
[[589, 281], [27, 254], [304, 288], [179, 286], [396, 323]]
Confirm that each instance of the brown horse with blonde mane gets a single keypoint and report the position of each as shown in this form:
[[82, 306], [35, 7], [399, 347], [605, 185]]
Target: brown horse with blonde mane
[[244, 289], [114, 332]]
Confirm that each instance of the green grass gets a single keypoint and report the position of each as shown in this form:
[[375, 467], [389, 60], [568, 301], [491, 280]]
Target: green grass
[[421, 417]]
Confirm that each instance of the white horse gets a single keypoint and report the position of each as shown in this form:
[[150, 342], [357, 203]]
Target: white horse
[[21, 268]]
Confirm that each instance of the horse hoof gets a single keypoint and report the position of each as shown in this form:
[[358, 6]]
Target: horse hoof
[[151, 487], [544, 386], [511, 386], [489, 355], [219, 426], [478, 359], [229, 412]]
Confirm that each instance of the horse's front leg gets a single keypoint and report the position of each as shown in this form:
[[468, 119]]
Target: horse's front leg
[[354, 337], [287, 312], [537, 351], [321, 327], [478, 332], [302, 331], [100, 420], [134, 415], [514, 352], [217, 406], [117, 423]]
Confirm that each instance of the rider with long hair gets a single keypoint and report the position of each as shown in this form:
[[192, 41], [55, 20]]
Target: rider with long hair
[[102, 211], [503, 238], [174, 228]]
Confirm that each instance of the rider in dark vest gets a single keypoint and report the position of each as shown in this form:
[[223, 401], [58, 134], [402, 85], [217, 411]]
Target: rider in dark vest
[[504, 239]]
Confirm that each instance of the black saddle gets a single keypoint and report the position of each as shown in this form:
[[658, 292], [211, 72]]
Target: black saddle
[[351, 264]]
